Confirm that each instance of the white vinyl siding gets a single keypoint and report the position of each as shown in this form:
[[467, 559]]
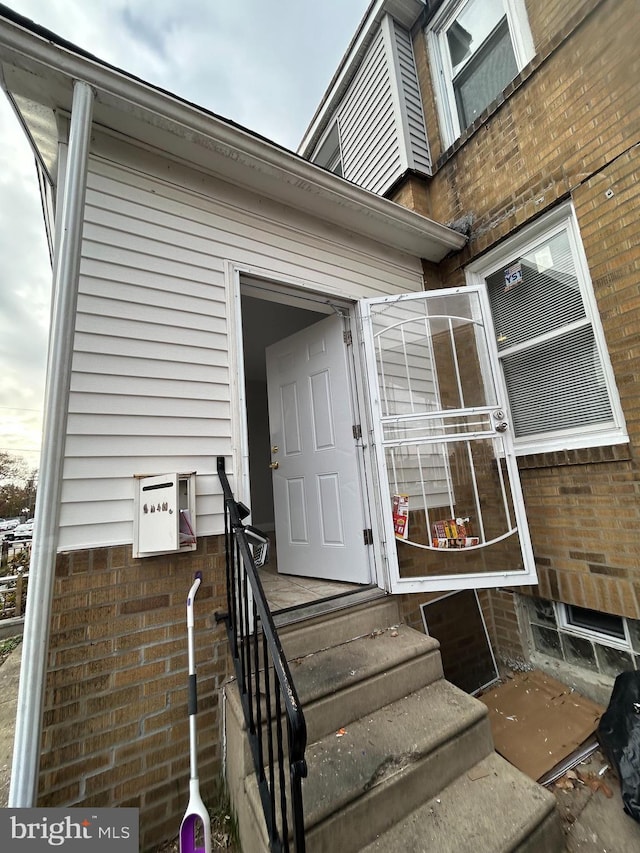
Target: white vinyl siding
[[418, 154], [379, 122], [150, 386], [368, 136]]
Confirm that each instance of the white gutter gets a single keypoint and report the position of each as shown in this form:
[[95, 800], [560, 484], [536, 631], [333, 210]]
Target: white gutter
[[255, 152], [26, 751]]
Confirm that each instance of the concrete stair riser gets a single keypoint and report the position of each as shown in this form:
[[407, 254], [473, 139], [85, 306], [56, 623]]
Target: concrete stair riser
[[344, 683], [359, 818], [303, 639], [465, 811], [364, 782], [350, 661], [407, 761], [371, 812], [339, 710], [401, 734]]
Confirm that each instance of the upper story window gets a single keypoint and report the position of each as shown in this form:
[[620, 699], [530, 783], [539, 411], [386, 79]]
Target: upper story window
[[551, 347], [477, 47], [329, 155]]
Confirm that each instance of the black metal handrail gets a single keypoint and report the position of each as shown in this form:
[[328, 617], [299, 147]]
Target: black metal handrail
[[265, 684]]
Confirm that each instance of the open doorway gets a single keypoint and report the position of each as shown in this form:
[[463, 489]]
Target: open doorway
[[305, 476], [404, 401]]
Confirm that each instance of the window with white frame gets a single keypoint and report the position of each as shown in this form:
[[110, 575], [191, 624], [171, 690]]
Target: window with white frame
[[328, 154], [605, 628], [555, 366], [476, 47]]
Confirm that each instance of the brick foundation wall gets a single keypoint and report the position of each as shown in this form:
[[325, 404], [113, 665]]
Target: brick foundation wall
[[115, 726]]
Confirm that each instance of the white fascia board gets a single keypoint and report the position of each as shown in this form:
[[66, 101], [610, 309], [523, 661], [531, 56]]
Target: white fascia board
[[139, 111], [405, 12]]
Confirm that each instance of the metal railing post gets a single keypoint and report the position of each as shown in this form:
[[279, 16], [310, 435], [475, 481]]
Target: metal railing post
[[266, 687]]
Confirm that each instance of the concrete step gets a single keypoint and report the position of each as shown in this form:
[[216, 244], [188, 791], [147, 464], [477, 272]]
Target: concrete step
[[386, 764], [398, 758], [325, 630], [343, 683], [490, 809]]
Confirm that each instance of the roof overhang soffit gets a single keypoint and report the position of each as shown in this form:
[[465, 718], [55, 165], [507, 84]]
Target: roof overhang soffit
[[38, 75]]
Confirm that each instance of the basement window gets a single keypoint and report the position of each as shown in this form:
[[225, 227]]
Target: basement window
[[605, 628]]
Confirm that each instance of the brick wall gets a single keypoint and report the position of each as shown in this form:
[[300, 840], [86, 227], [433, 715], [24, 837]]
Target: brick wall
[[548, 19], [115, 727], [568, 126], [557, 125], [554, 127]]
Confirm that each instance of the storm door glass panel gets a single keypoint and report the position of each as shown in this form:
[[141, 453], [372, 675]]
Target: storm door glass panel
[[443, 442]]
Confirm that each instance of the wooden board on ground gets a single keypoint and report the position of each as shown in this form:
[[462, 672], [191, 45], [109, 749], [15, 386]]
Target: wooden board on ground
[[537, 721]]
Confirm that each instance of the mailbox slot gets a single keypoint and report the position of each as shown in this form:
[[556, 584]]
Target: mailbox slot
[[164, 519]]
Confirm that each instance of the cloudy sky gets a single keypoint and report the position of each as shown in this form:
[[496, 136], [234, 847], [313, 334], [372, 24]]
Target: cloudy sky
[[262, 63]]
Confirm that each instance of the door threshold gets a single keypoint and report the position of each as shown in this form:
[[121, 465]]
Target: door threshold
[[331, 604]]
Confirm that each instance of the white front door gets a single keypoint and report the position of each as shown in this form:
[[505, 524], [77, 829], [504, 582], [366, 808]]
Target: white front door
[[318, 502], [443, 444]]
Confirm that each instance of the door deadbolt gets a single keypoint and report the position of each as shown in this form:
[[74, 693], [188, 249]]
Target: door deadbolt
[[275, 448], [274, 466]]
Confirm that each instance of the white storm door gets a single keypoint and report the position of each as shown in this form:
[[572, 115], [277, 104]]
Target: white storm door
[[450, 491], [316, 484]]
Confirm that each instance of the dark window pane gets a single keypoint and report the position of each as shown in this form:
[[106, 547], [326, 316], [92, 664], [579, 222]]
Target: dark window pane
[[594, 620], [485, 75]]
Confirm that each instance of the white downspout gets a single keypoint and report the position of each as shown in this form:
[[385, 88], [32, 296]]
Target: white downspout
[[26, 752]]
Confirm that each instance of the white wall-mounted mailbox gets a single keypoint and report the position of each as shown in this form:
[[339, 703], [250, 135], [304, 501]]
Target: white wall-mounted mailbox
[[165, 516]]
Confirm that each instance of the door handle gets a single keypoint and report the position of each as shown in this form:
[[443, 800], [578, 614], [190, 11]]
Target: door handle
[[274, 466], [502, 427]]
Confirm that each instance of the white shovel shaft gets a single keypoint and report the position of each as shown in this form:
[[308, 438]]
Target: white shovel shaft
[[190, 599]]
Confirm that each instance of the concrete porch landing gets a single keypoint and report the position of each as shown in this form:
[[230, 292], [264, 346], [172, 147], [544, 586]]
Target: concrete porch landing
[[286, 591]]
